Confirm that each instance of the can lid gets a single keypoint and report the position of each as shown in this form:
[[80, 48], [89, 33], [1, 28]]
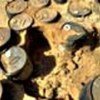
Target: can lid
[[16, 6], [1, 90], [79, 29], [96, 89], [20, 22], [75, 32], [14, 60], [39, 3], [77, 9], [46, 15], [4, 35]]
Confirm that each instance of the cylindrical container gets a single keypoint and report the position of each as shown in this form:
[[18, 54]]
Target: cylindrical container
[[75, 37], [92, 90], [77, 9], [16, 63], [39, 3], [12, 91], [1, 90], [46, 15], [5, 36], [20, 22], [16, 7]]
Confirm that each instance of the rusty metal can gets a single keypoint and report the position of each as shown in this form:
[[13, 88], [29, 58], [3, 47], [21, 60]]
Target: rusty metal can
[[92, 90], [1, 90], [16, 7], [16, 63], [4, 36], [12, 91], [78, 9], [76, 37], [39, 3], [46, 15], [20, 22]]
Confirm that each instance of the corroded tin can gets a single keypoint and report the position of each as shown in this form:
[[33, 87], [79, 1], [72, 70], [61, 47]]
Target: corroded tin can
[[15, 7], [16, 63], [4, 35], [92, 90], [11, 90], [1, 91]]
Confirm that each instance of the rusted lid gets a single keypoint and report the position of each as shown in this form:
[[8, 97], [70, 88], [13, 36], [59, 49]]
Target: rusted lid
[[39, 3], [78, 10], [46, 15], [73, 26], [4, 35], [96, 89], [20, 22], [78, 34], [13, 60], [16, 6]]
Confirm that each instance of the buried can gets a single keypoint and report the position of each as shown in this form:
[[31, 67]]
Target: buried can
[[20, 22], [1, 90], [5, 36], [76, 38], [39, 3], [16, 63], [11, 90], [77, 9], [16, 7], [46, 15], [92, 90]]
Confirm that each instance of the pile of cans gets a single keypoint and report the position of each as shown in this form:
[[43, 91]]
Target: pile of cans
[[15, 61]]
